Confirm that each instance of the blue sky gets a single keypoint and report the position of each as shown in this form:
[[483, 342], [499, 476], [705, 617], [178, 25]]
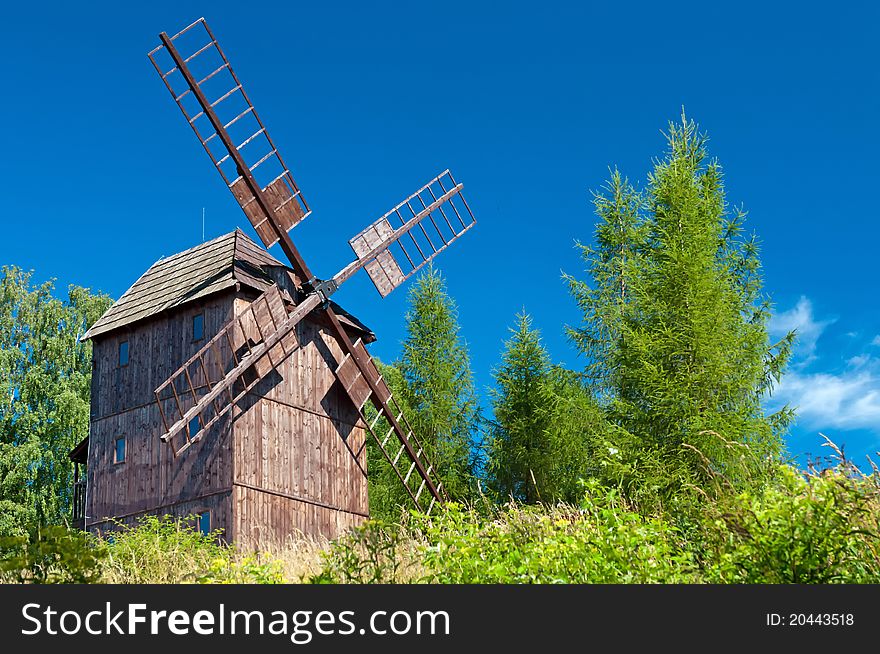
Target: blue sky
[[528, 104]]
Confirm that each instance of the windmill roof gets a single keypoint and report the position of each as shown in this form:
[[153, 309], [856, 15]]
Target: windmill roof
[[208, 268]]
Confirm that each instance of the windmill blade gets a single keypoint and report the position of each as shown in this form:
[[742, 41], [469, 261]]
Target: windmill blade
[[359, 376], [201, 81], [247, 349], [394, 247]]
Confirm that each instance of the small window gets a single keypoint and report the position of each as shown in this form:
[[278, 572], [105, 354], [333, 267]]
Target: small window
[[119, 451], [204, 523], [123, 353], [194, 425], [198, 327]]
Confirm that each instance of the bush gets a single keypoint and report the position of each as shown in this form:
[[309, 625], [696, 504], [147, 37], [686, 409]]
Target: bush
[[170, 550], [805, 529], [377, 552], [51, 555], [160, 550], [602, 541]]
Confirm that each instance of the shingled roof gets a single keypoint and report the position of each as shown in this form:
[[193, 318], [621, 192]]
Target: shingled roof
[[208, 268]]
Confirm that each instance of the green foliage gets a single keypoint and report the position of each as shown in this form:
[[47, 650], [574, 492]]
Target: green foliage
[[252, 569], [674, 331], [169, 550], [161, 549], [602, 541], [577, 426], [545, 424], [519, 450], [434, 385], [45, 372], [804, 529], [51, 555], [374, 553]]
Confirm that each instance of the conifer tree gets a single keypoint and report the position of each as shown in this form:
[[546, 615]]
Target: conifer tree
[[674, 329], [433, 382], [546, 422], [519, 448]]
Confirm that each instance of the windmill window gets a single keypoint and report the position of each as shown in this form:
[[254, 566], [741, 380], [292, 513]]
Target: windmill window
[[194, 425], [198, 327], [119, 450], [204, 523], [123, 353]]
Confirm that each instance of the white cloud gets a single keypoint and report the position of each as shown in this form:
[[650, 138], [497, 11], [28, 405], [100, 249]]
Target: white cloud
[[859, 361], [842, 399], [849, 400], [800, 318]]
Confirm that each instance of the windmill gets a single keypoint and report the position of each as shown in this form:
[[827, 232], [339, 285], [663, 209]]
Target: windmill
[[391, 249]]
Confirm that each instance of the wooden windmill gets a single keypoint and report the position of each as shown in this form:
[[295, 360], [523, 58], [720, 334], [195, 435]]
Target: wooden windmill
[[207, 386]]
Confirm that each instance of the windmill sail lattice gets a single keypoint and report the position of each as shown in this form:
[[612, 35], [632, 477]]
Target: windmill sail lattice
[[394, 449], [227, 367], [223, 118], [414, 232]]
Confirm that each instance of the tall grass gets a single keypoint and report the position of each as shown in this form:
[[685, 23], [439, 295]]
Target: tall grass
[[819, 526]]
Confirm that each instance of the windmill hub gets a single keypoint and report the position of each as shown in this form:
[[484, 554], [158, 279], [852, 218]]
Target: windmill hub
[[323, 287]]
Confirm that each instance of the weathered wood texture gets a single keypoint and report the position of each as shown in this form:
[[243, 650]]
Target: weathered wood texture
[[156, 349], [150, 479], [264, 519], [299, 448], [289, 458], [219, 505]]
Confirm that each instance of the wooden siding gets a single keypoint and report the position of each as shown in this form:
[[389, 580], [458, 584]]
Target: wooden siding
[[156, 349], [289, 458], [299, 448], [264, 520], [151, 479], [219, 505]]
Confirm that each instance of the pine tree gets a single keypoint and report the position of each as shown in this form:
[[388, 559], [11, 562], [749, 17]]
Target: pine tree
[[438, 382], [675, 329], [433, 383], [520, 456], [613, 263], [546, 424]]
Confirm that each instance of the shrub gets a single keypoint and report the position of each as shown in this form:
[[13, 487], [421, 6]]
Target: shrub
[[170, 550], [160, 550], [375, 552], [602, 541], [51, 555], [814, 528], [252, 569]]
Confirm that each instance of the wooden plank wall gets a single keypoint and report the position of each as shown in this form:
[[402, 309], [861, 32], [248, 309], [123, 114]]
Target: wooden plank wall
[[290, 458], [299, 461], [151, 479], [157, 348], [264, 521], [220, 506]]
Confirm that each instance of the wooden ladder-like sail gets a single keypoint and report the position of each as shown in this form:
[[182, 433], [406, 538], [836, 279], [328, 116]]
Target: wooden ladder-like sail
[[213, 101], [413, 232], [222, 372], [406, 455]]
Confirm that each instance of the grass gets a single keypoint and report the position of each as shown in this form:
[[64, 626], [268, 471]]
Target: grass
[[822, 526]]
